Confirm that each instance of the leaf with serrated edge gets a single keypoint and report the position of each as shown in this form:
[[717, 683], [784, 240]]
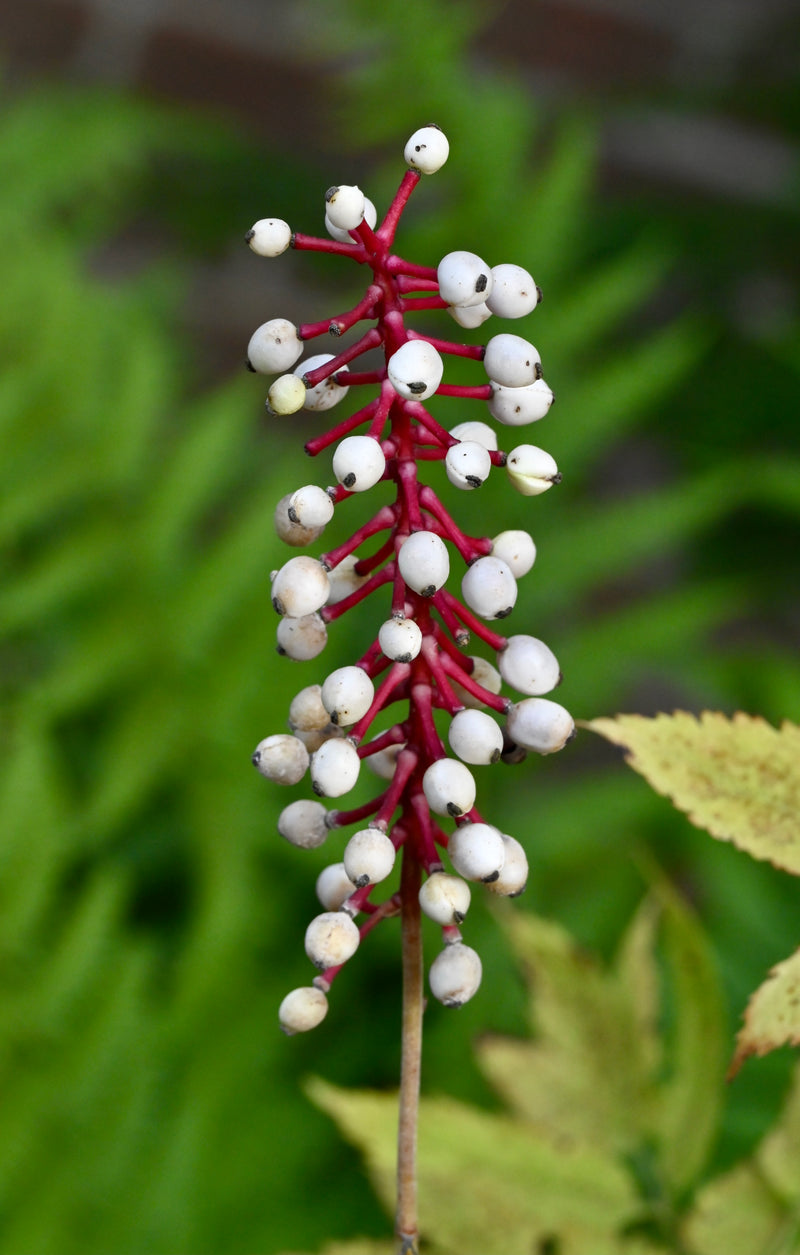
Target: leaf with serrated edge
[[489, 1184], [738, 778], [772, 1018]]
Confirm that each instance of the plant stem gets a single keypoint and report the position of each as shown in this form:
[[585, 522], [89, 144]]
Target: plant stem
[[406, 1226]]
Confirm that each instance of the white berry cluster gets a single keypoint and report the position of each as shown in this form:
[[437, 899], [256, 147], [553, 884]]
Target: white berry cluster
[[425, 807]]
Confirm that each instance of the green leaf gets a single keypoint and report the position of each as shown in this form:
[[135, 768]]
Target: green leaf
[[737, 778], [772, 1018]]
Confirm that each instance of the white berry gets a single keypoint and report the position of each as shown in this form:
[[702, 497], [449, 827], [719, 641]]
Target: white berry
[[334, 768], [273, 347], [293, 533], [475, 737], [302, 639], [477, 852], [455, 975], [344, 206], [400, 639], [358, 463], [516, 407], [331, 938], [333, 886], [481, 433], [538, 724], [427, 150], [517, 550], [482, 673], [303, 824], [286, 396], [489, 588], [531, 470], [511, 361], [470, 316], [514, 293], [464, 279], [467, 464], [529, 666], [347, 694], [449, 787], [424, 562], [415, 370], [514, 874], [300, 587], [302, 1009], [310, 506], [306, 712], [281, 758], [368, 857], [344, 237], [444, 898], [324, 395], [269, 237]]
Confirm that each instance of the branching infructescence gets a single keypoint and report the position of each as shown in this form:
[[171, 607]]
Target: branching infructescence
[[401, 558]]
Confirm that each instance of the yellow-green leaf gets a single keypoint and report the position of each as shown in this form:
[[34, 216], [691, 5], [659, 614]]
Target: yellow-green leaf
[[488, 1184], [737, 1214], [738, 778], [772, 1018]]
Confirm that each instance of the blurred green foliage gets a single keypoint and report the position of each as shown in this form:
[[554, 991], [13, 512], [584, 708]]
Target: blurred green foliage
[[151, 919]]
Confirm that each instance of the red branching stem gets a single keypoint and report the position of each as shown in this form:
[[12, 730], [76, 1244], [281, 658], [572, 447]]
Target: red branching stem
[[422, 706], [471, 620], [468, 547], [395, 735], [329, 613], [355, 377], [314, 244], [369, 340], [475, 351], [427, 832], [405, 283], [411, 304], [356, 813], [399, 266], [318, 443], [476, 392], [406, 762], [459, 633], [462, 677], [407, 481], [417, 411], [447, 698], [398, 674], [366, 565], [386, 230], [385, 518], [366, 308]]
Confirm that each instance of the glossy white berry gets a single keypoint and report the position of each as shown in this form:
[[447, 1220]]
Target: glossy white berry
[[516, 407], [475, 737], [482, 673], [344, 579], [269, 237], [306, 712], [310, 506], [467, 464], [424, 562], [334, 768], [427, 150], [531, 470], [511, 361], [358, 463], [286, 396], [415, 370], [449, 787], [347, 694], [324, 395], [477, 852], [455, 975], [302, 1010], [344, 206], [489, 588], [331, 938], [464, 279], [300, 587], [274, 347], [514, 293], [333, 886], [529, 666], [400, 639], [281, 758], [517, 550], [303, 824], [368, 857], [481, 433], [444, 898], [293, 533], [470, 316], [344, 237], [301, 639], [514, 875], [384, 762], [538, 724]]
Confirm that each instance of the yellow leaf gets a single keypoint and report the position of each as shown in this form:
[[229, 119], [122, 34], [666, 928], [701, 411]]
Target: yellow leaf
[[772, 1018], [738, 778]]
